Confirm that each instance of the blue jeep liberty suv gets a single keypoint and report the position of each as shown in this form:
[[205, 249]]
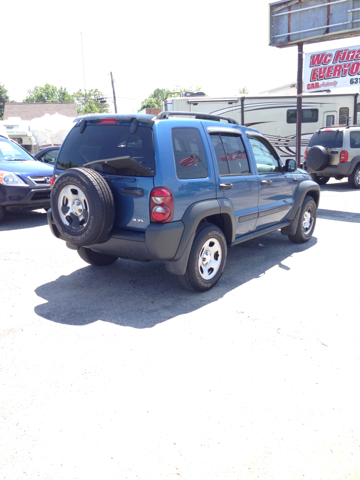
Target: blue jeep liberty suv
[[178, 187]]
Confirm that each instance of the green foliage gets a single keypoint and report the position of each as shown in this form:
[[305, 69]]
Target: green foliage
[[155, 99], [149, 103], [89, 102], [4, 97], [243, 90], [48, 94], [86, 103], [160, 94]]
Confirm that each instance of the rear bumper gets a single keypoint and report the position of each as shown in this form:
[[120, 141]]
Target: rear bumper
[[24, 197], [158, 242], [341, 170]]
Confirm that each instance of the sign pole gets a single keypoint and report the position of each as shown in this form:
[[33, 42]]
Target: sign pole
[[299, 103]]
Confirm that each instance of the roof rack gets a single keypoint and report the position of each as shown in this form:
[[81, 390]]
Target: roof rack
[[201, 116]]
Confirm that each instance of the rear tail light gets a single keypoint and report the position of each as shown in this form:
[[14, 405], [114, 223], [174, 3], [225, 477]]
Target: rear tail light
[[305, 153], [161, 205], [344, 156], [52, 180]]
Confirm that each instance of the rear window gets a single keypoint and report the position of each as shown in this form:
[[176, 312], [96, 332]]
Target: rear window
[[328, 139], [127, 154]]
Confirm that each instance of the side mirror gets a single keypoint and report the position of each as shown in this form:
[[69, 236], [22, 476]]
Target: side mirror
[[290, 165]]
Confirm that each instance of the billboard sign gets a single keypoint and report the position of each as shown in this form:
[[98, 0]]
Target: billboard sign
[[311, 21], [331, 69]]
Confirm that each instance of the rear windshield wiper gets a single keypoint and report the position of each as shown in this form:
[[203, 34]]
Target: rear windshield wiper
[[121, 163]]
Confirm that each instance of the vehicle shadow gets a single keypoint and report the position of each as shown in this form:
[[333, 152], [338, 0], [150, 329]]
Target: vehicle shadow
[[338, 215], [337, 186], [142, 295], [21, 219]]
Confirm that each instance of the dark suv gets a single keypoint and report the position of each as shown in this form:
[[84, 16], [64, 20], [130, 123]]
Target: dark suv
[[334, 152], [174, 188]]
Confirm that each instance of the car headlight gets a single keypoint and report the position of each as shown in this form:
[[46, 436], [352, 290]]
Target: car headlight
[[9, 178]]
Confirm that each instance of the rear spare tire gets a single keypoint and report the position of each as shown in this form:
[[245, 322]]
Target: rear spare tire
[[317, 158], [82, 206]]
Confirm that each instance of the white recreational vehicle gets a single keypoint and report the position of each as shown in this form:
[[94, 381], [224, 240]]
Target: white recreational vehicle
[[275, 115]]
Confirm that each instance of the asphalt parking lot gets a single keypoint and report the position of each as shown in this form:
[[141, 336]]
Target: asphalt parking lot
[[119, 373]]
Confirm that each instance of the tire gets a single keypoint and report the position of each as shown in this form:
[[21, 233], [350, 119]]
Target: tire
[[354, 179], [307, 221], [317, 158], [2, 213], [207, 260], [82, 206], [95, 258], [319, 180]]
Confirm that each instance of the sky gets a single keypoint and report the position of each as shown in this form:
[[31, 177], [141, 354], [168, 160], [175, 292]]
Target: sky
[[218, 47]]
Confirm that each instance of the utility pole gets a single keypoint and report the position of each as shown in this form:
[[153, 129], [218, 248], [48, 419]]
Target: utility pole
[[299, 103], [113, 88], [82, 51]]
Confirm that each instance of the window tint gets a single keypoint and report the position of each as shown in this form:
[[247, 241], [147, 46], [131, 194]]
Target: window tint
[[135, 152], [230, 155], [355, 139], [50, 156], [309, 115], [331, 139], [265, 158], [189, 153]]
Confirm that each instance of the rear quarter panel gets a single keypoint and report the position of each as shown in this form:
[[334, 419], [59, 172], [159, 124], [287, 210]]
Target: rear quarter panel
[[185, 191]]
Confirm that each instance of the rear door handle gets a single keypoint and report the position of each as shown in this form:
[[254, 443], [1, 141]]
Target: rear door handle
[[266, 183], [226, 186]]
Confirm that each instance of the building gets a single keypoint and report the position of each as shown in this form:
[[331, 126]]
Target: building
[[38, 125], [29, 111]]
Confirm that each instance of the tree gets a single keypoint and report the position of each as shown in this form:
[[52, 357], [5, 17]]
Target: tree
[[243, 90], [156, 99], [4, 97], [149, 103], [49, 94], [90, 102]]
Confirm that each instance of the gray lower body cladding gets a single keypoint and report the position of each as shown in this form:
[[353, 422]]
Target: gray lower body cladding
[[158, 242]]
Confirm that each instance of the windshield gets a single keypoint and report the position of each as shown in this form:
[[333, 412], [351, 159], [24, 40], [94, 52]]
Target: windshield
[[110, 149], [327, 138], [11, 151]]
